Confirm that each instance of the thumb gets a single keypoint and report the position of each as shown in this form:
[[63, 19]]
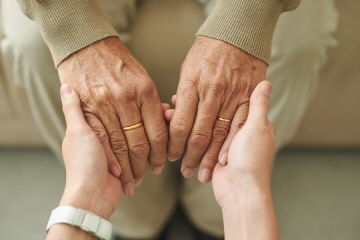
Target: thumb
[[259, 102], [71, 107]]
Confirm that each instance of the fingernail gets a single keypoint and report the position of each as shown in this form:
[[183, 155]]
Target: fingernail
[[115, 171], [204, 175], [223, 159], [265, 88], [157, 170], [173, 158], [138, 181], [65, 91], [129, 189], [188, 172]]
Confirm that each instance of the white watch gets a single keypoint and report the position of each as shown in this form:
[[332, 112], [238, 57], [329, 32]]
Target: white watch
[[85, 220]]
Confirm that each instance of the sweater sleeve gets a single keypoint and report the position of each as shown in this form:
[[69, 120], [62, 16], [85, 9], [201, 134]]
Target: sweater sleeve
[[246, 24], [68, 25]]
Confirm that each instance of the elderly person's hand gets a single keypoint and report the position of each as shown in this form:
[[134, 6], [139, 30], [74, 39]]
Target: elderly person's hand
[[216, 81], [116, 92]]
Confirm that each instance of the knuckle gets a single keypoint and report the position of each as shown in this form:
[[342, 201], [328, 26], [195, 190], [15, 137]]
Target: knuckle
[[96, 128], [140, 149], [189, 88], [138, 172], [91, 119], [200, 139], [125, 95], [216, 87], [102, 135], [178, 128], [210, 161], [120, 148], [148, 90], [160, 136], [192, 162], [220, 134], [126, 175]]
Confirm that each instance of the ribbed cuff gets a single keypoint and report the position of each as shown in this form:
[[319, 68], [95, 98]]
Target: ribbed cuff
[[70, 25], [246, 24]]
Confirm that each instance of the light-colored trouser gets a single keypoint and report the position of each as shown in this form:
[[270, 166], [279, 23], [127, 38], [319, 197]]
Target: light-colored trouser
[[300, 43]]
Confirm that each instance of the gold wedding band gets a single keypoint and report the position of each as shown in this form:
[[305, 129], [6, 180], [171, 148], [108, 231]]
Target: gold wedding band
[[132, 127], [224, 120]]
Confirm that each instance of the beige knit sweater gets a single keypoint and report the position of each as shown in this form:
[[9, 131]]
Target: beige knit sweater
[[70, 25]]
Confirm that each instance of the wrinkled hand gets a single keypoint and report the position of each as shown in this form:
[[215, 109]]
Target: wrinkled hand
[[250, 154], [116, 92], [216, 80], [89, 185]]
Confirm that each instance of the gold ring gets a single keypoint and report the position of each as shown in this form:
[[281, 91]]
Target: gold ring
[[132, 127], [224, 120]]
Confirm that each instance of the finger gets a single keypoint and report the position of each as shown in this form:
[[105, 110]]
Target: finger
[[219, 135], [182, 122], [165, 106], [74, 116], [259, 102], [156, 130], [75, 119], [237, 123], [168, 114], [173, 100], [119, 147], [98, 128], [137, 142], [200, 136]]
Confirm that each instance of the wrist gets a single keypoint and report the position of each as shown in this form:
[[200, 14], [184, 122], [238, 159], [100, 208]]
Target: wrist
[[249, 214], [246, 193], [86, 199]]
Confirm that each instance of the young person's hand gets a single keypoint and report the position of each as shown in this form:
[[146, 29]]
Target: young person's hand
[[241, 181], [89, 185], [249, 161]]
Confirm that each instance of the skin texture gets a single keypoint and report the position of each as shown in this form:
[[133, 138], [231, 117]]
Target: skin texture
[[241, 182], [242, 186], [251, 151], [216, 80], [89, 185], [116, 92], [87, 177]]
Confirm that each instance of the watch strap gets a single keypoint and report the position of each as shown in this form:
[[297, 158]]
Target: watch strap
[[83, 219]]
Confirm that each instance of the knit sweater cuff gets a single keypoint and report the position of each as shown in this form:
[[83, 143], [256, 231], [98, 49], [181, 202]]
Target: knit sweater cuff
[[246, 24], [70, 25]]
